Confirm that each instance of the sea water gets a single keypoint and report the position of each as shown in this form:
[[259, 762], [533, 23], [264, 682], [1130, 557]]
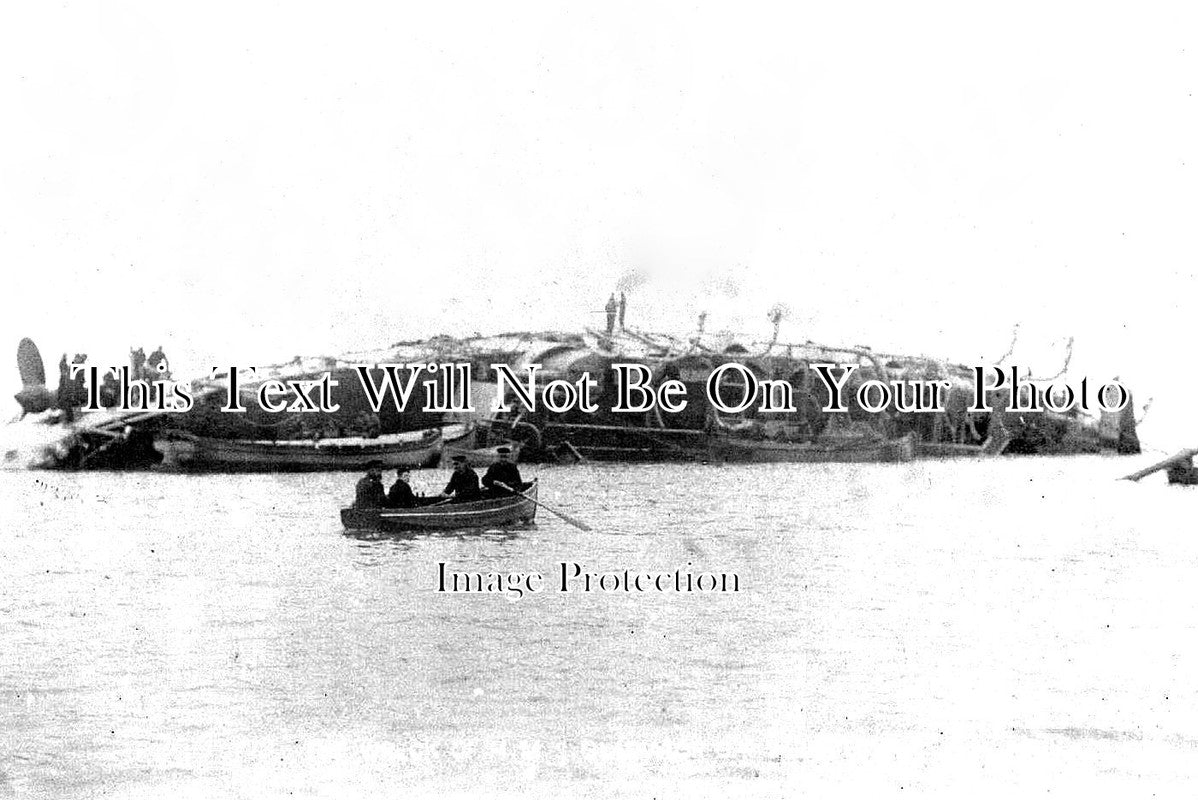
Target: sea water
[[954, 628]]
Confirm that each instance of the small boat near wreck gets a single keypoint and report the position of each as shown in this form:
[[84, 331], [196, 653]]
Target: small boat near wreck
[[1179, 469], [474, 443], [1182, 475], [494, 512], [948, 450], [748, 444], [847, 450], [199, 453]]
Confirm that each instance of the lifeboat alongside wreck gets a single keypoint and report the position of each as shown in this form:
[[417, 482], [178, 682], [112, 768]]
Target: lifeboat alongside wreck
[[207, 439], [204, 454]]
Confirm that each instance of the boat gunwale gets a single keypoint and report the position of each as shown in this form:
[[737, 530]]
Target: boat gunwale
[[389, 442]]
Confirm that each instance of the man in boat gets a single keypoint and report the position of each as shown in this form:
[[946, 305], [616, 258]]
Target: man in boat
[[463, 484], [503, 471], [370, 492], [400, 495]]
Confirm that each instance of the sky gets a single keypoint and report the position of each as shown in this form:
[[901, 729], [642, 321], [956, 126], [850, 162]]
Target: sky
[[243, 182]]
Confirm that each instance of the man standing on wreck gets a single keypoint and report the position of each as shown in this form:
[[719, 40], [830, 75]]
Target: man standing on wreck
[[611, 309]]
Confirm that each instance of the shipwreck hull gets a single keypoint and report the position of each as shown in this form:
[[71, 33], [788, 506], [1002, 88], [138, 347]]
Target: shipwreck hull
[[258, 440]]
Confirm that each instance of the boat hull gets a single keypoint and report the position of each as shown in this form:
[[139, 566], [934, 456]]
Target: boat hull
[[1182, 475], [490, 513], [198, 453], [482, 456], [464, 442], [827, 452], [948, 450], [625, 444], [629, 444]]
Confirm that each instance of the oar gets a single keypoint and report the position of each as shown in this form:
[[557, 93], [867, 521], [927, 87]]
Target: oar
[[580, 525]]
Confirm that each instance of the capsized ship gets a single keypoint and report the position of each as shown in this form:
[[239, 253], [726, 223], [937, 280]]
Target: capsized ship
[[206, 438], [807, 433]]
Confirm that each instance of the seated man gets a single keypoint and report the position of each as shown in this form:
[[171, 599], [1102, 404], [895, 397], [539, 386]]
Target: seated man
[[401, 494], [463, 484], [503, 471], [370, 492]]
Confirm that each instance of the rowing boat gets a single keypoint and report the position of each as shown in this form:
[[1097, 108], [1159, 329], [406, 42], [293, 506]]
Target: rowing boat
[[948, 450], [822, 451], [494, 512], [414, 449], [1179, 469], [1181, 475], [472, 444]]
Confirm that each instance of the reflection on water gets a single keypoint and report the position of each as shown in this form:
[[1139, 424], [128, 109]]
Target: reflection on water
[[492, 534], [1010, 626]]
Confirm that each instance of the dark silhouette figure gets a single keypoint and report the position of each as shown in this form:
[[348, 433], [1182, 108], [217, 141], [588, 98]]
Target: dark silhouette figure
[[401, 494], [110, 392], [369, 492], [137, 360], [156, 358], [611, 308], [63, 398], [463, 484], [503, 471]]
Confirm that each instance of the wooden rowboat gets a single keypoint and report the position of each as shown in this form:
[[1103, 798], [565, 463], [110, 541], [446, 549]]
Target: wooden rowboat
[[472, 442], [1179, 468], [828, 451], [1182, 475], [948, 450], [493, 512], [414, 449]]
